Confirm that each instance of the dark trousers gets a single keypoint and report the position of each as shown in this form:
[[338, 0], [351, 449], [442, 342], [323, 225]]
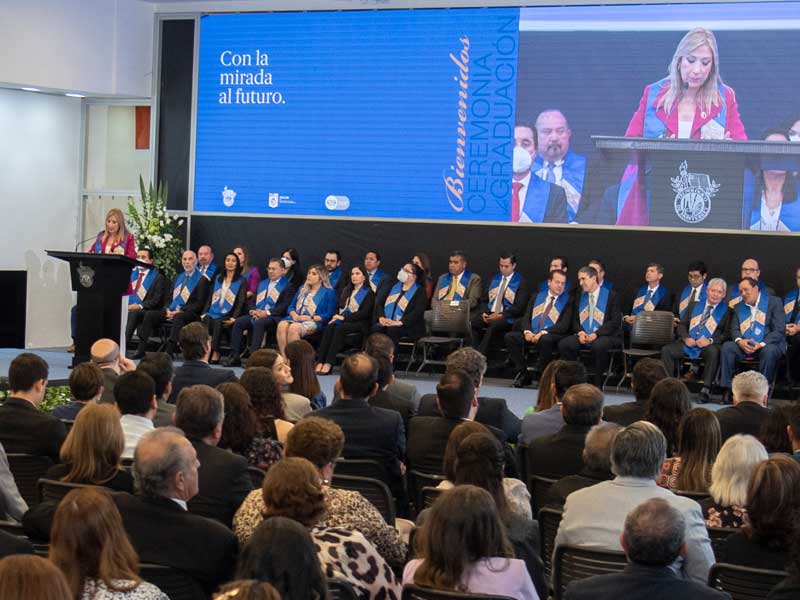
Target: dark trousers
[[135, 318], [257, 329], [569, 347], [150, 322], [482, 333], [672, 355], [516, 344], [793, 357], [178, 322], [333, 337], [215, 329], [767, 357], [394, 333]]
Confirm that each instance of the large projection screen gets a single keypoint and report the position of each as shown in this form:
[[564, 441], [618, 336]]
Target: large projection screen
[[430, 115]]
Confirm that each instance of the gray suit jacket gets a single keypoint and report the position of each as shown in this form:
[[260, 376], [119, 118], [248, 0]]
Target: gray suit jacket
[[595, 516], [12, 506], [472, 292]]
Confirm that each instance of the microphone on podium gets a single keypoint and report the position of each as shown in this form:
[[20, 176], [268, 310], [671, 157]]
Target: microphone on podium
[[79, 244]]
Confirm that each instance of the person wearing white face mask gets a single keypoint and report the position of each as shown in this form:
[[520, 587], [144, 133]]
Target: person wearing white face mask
[[402, 313], [533, 200]]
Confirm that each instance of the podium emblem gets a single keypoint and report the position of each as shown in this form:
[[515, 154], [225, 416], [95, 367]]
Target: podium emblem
[[228, 196], [693, 194], [86, 275]]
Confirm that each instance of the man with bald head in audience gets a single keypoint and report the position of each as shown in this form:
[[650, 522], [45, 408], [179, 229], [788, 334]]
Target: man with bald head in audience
[[750, 268], [157, 521], [105, 354]]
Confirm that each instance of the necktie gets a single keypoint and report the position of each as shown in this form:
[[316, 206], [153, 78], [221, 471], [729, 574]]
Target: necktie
[[591, 309], [452, 291], [547, 309], [550, 176], [517, 186], [647, 298], [138, 282], [706, 315], [501, 292]]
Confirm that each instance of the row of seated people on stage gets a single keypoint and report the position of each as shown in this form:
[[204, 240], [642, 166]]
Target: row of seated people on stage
[[194, 507]]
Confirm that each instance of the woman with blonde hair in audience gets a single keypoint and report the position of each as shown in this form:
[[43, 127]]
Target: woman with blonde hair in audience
[[310, 310], [296, 406], [463, 547], [546, 395], [90, 546], [668, 402], [320, 441], [699, 440], [267, 402], [302, 358], [31, 577]]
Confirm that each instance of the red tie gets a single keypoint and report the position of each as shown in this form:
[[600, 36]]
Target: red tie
[[138, 282], [515, 202], [546, 312]]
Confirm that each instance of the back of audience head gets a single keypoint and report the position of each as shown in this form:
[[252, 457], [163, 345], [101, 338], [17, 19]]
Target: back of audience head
[[135, 394], [646, 374], [456, 395], [546, 397], [638, 451], [733, 468], [668, 403], [379, 343], [86, 382], [292, 488], [94, 445], [302, 357], [653, 534], [773, 501], [469, 360], [282, 553], [194, 341], [247, 589], [385, 370], [240, 425], [88, 541], [27, 375], [582, 405], [33, 578], [462, 528], [774, 432], [319, 441], [165, 465], [104, 352], [699, 440], [199, 412], [750, 386], [264, 391], [793, 428], [570, 373], [480, 461], [458, 435], [597, 448], [358, 378], [159, 366]]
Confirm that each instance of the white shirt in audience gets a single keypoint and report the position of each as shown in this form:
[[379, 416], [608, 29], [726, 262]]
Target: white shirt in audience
[[134, 427]]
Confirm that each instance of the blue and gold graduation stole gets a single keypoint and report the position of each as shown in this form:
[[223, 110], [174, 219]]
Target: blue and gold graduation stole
[[788, 306], [222, 303], [305, 302], [686, 296], [210, 270], [334, 276], [97, 247], [696, 331], [750, 328], [461, 288], [654, 127], [397, 301], [591, 323], [266, 298], [354, 301], [375, 279], [183, 288], [735, 300], [137, 296], [551, 317], [510, 293], [641, 302]]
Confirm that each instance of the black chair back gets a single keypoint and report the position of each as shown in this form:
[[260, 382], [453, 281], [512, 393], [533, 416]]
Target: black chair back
[[175, 584], [549, 520], [539, 487], [341, 590], [12, 527], [127, 464], [698, 497], [415, 592], [373, 490], [744, 583], [361, 468], [49, 489], [572, 563], [718, 537], [256, 476], [652, 329], [67, 424], [521, 454], [27, 470], [416, 481], [429, 495]]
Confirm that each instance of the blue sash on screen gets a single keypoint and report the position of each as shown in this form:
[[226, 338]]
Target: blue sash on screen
[[591, 323], [540, 304], [460, 288], [639, 303], [698, 329], [788, 306], [573, 173], [397, 301], [354, 302], [137, 296], [536, 199], [686, 296], [184, 286], [736, 299], [654, 127], [510, 293], [334, 276], [543, 287], [266, 298], [749, 328], [222, 304], [375, 279]]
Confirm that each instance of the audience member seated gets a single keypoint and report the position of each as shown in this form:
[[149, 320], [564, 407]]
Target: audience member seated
[[159, 366], [595, 516], [13, 544], [320, 441], [196, 349], [749, 410], [458, 284], [463, 547], [668, 404], [730, 476], [516, 492], [356, 305], [293, 489], [267, 402], [774, 431], [33, 578], [23, 428], [12, 505], [793, 429], [292, 261], [105, 354], [85, 385], [653, 539], [789, 588], [157, 521], [223, 479], [369, 432], [149, 292], [402, 313], [301, 357], [383, 398], [251, 589], [596, 465], [226, 303], [652, 295], [90, 546], [423, 261], [296, 406], [135, 395], [205, 261], [378, 343], [694, 292], [376, 278], [698, 444], [242, 431], [773, 502], [249, 272], [547, 418], [310, 310], [192, 296], [281, 552], [647, 372], [332, 261], [561, 454]]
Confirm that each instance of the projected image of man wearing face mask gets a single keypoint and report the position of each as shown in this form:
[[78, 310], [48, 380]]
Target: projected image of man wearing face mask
[[533, 200]]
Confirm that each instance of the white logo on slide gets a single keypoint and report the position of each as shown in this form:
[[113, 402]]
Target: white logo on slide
[[228, 196], [693, 193], [273, 200]]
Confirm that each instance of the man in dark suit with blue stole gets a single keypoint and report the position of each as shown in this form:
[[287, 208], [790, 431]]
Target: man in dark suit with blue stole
[[333, 265], [694, 292], [652, 295], [149, 292]]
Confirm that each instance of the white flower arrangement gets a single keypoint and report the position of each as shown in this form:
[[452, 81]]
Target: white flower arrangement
[[156, 229]]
